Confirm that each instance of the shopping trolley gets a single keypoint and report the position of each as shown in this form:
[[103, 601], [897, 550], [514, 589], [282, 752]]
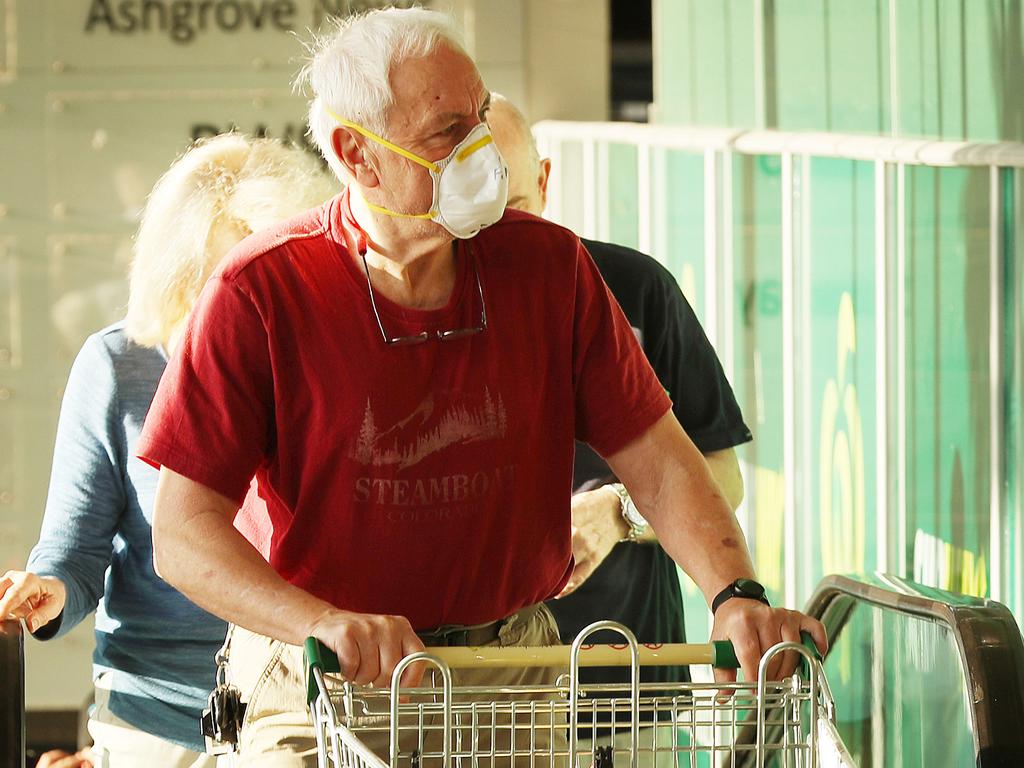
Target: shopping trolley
[[787, 723]]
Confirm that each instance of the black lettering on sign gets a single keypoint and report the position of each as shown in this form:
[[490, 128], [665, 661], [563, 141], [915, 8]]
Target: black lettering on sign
[[183, 20], [339, 9], [99, 12], [203, 130], [292, 133]]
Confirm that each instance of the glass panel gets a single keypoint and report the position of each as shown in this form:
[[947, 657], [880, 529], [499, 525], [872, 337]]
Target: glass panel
[[990, 98], [623, 213], [948, 415], [858, 76], [839, 334], [702, 74], [899, 687], [804, 101], [1013, 227], [758, 363], [682, 204]]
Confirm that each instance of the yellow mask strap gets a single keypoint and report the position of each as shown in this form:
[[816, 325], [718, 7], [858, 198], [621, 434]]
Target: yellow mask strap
[[384, 142], [480, 143], [389, 212]]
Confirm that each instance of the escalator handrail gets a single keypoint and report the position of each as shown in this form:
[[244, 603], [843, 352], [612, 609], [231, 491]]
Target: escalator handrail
[[12, 695], [987, 637]]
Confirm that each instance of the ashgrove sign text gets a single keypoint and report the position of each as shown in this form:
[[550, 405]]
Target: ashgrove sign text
[[184, 20]]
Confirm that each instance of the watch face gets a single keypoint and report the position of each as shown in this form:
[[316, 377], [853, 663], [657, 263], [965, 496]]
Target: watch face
[[748, 588]]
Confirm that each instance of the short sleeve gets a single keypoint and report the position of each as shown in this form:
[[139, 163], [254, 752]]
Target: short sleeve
[[618, 396], [212, 418]]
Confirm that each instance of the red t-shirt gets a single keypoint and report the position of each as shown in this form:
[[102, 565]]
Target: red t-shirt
[[430, 481]]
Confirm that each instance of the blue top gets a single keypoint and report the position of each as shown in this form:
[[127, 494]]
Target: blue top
[[97, 538]]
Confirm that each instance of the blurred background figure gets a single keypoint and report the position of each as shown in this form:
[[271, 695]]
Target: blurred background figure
[[154, 658]]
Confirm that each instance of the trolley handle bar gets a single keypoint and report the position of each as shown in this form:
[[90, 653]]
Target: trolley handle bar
[[719, 654]]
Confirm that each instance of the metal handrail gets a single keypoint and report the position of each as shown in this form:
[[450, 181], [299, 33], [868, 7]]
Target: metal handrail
[[847, 146], [987, 637], [12, 695]]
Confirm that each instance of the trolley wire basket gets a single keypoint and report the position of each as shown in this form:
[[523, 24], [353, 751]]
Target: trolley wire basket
[[568, 724]]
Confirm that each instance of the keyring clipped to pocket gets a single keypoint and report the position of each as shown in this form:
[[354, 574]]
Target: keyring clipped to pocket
[[222, 719]]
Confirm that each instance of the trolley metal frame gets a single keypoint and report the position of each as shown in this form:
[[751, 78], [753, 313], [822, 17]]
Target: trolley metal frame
[[788, 723]]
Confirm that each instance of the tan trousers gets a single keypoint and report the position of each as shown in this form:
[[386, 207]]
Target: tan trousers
[[278, 733]]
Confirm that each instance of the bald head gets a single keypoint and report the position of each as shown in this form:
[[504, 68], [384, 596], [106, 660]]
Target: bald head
[[527, 173]]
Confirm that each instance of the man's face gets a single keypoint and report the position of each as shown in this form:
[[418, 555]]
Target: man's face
[[524, 177], [438, 100]]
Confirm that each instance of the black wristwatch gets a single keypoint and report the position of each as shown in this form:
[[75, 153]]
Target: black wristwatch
[[745, 588]]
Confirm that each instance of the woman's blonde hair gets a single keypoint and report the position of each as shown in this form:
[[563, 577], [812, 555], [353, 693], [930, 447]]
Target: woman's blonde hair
[[221, 190]]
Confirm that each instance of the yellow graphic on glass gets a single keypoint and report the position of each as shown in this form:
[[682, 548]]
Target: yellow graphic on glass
[[841, 464]]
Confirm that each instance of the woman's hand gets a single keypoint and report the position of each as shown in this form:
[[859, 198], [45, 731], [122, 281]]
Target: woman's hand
[[58, 758], [36, 599]]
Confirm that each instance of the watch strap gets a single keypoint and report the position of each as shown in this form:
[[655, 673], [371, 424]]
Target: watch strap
[[634, 520], [747, 589]]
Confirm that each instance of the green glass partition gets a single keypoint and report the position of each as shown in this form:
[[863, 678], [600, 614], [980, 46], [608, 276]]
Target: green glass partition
[[948, 316], [680, 241], [934, 68], [757, 360], [839, 338], [623, 211]]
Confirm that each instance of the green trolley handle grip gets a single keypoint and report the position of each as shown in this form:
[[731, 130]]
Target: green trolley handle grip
[[318, 656], [725, 654]]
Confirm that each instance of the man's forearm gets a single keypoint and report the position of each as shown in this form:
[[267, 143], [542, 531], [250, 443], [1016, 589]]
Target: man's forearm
[[675, 489], [197, 550], [726, 471]]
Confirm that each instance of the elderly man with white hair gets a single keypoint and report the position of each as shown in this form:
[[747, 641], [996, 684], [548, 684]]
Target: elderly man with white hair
[[389, 387]]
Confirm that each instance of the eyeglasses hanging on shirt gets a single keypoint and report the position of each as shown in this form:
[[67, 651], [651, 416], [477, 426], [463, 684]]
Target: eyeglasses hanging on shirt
[[419, 338]]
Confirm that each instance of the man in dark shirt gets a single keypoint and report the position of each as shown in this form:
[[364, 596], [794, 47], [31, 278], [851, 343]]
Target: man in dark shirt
[[628, 577]]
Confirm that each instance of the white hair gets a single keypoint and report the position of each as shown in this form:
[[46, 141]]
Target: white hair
[[350, 66], [221, 190]]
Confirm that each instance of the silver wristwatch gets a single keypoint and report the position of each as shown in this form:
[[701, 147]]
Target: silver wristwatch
[[636, 522]]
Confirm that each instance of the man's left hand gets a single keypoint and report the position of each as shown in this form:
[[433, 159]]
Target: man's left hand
[[597, 526], [753, 628]]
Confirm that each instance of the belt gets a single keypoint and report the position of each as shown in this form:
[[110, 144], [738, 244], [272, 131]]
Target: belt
[[472, 635]]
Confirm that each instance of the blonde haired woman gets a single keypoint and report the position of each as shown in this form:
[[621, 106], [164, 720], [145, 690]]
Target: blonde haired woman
[[153, 664]]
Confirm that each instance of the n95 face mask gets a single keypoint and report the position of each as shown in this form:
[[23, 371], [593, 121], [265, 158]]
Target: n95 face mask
[[470, 184]]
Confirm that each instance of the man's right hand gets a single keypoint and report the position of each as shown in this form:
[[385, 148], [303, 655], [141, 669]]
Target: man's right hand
[[369, 646], [36, 599]]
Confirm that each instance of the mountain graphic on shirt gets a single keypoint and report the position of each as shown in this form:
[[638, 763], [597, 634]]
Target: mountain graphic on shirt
[[425, 431]]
